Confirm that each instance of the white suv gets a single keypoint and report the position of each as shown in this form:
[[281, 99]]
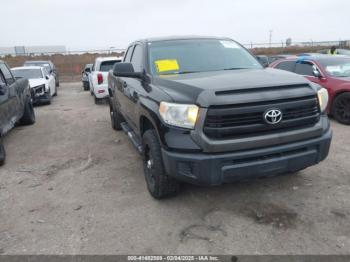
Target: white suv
[[98, 79]]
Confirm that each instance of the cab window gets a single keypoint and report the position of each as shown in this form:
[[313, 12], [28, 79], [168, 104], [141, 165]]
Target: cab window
[[7, 74], [128, 54], [136, 60]]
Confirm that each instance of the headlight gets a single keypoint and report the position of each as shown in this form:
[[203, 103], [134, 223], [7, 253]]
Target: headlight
[[322, 95], [180, 115]]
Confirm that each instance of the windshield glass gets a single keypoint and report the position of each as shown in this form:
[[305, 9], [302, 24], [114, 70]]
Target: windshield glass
[[27, 73], [338, 67], [198, 55], [107, 65]]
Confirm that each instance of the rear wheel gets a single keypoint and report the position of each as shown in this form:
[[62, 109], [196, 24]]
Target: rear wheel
[[2, 153], [86, 86], [97, 101], [341, 108], [159, 184], [116, 117], [56, 91], [28, 117]]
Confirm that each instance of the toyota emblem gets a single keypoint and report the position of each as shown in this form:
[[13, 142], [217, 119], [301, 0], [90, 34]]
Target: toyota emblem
[[273, 116]]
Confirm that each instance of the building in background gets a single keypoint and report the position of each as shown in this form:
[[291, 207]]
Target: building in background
[[33, 50]]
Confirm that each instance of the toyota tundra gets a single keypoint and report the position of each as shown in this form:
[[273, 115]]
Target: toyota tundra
[[203, 110]]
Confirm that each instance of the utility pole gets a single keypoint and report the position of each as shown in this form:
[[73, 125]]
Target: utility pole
[[270, 37]]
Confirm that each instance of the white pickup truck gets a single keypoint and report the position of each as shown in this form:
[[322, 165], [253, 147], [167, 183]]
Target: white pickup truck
[[98, 79]]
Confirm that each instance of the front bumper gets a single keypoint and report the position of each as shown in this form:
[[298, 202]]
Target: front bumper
[[219, 168], [40, 96]]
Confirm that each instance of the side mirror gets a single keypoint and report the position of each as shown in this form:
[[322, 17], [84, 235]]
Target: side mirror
[[51, 71], [263, 60], [316, 73], [125, 70], [47, 77], [2, 89]]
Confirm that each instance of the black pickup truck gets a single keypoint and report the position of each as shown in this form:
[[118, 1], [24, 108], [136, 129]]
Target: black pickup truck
[[204, 111], [15, 104]]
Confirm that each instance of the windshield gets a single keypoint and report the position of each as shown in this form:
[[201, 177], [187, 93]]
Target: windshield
[[27, 73], [108, 65], [338, 67], [198, 55]]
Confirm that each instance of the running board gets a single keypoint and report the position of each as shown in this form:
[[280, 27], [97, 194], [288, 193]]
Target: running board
[[133, 137]]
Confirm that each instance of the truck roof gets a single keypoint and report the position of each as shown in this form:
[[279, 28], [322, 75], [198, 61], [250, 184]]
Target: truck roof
[[186, 37]]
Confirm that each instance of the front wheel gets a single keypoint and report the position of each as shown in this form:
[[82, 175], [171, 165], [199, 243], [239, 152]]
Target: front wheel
[[28, 117], [341, 108], [116, 117], [159, 184], [2, 153]]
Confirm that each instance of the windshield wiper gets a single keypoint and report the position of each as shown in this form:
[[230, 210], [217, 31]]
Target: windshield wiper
[[181, 73], [235, 68]]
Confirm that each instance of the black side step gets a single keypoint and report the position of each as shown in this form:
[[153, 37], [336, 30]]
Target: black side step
[[133, 137]]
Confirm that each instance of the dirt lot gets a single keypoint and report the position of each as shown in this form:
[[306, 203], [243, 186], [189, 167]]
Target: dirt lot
[[72, 185]]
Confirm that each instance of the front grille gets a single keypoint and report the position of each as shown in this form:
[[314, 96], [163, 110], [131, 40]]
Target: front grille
[[236, 121]]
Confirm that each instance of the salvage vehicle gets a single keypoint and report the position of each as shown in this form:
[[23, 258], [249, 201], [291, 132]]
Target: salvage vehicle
[[50, 67], [85, 76], [15, 104], [204, 111], [330, 72], [42, 84], [98, 77]]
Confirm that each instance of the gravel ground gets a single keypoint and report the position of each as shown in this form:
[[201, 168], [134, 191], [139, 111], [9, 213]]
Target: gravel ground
[[72, 185]]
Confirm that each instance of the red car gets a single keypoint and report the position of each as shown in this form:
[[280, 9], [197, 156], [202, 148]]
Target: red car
[[332, 73]]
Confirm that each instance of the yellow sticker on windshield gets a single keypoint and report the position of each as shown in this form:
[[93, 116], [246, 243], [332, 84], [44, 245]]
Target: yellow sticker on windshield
[[166, 65]]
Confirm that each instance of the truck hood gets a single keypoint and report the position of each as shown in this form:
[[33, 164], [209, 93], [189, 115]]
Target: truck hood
[[36, 82], [234, 86]]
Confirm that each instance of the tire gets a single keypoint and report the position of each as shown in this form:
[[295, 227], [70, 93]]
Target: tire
[[341, 108], [2, 153], [57, 83], [86, 86], [116, 117], [159, 184], [56, 92], [28, 117], [97, 101]]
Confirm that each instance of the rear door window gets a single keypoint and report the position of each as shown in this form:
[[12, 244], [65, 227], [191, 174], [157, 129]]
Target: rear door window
[[107, 65]]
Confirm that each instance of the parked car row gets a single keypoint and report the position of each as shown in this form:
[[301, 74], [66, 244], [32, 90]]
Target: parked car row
[[20, 88], [16, 104]]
